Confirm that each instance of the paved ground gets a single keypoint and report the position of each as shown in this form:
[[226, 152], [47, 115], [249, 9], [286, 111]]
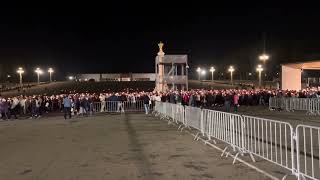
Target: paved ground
[[131, 146]]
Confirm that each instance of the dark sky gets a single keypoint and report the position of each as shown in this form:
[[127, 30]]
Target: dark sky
[[123, 37]]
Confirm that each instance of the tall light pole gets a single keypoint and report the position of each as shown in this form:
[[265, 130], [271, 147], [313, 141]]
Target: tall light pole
[[203, 72], [199, 72], [38, 71], [212, 70], [231, 69], [264, 57], [20, 71], [50, 71], [259, 70]]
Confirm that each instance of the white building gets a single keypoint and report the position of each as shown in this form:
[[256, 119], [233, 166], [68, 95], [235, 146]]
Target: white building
[[116, 77]]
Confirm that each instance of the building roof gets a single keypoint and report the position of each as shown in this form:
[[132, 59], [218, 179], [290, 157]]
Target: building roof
[[305, 65]]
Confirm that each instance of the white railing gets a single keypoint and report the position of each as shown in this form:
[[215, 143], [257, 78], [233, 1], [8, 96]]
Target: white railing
[[314, 106], [271, 140], [296, 150], [179, 114], [226, 127], [310, 105], [308, 151], [193, 117], [118, 106]]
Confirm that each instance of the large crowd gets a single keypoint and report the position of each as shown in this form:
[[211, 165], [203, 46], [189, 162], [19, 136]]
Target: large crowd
[[83, 103]]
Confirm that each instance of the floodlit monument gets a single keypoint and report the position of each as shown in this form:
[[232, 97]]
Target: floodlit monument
[[171, 71], [291, 74]]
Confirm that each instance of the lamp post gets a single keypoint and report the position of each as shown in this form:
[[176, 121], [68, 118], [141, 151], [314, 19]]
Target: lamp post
[[259, 70], [199, 72], [203, 73], [231, 69], [212, 70], [38, 71], [50, 70], [20, 71], [264, 57]]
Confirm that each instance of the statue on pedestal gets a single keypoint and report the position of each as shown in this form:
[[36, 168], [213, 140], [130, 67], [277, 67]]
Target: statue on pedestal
[[160, 48]]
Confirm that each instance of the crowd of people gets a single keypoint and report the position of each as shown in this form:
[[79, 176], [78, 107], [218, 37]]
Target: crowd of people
[[77, 103], [232, 97], [83, 103]]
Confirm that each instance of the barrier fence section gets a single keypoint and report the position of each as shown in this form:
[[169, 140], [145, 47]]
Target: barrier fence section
[[193, 117], [226, 127], [296, 150], [118, 106], [179, 114], [310, 105], [308, 151], [271, 140], [314, 106]]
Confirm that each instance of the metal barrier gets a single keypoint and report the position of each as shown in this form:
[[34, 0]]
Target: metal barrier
[[300, 104], [308, 151], [118, 106], [224, 126], [277, 103], [179, 113], [296, 150], [271, 140], [310, 105], [314, 106], [273, 103], [193, 117]]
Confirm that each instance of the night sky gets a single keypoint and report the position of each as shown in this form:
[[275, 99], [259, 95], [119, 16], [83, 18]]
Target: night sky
[[123, 37]]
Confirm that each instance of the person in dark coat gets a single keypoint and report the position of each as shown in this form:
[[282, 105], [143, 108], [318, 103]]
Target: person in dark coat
[[146, 102], [4, 109]]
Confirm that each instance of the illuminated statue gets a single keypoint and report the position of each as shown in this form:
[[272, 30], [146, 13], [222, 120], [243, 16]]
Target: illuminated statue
[[160, 48]]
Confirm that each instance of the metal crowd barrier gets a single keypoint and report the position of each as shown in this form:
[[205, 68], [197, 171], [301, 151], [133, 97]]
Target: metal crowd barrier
[[118, 106], [308, 151], [226, 127], [271, 140], [179, 113], [310, 105], [296, 150], [193, 117], [314, 106]]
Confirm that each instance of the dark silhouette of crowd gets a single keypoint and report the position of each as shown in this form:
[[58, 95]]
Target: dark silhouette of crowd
[[83, 103], [231, 97]]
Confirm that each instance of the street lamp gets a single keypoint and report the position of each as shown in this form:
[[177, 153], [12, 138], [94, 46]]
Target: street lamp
[[38, 71], [212, 70], [203, 72], [259, 70], [264, 57], [50, 70], [199, 72], [20, 71], [231, 69]]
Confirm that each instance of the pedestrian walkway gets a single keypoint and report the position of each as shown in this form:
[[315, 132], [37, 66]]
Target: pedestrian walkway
[[127, 146]]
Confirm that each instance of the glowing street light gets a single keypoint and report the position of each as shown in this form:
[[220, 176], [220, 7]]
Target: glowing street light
[[231, 69], [50, 71], [259, 70], [20, 71], [38, 71], [212, 70], [199, 72], [264, 57], [70, 78], [203, 72]]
